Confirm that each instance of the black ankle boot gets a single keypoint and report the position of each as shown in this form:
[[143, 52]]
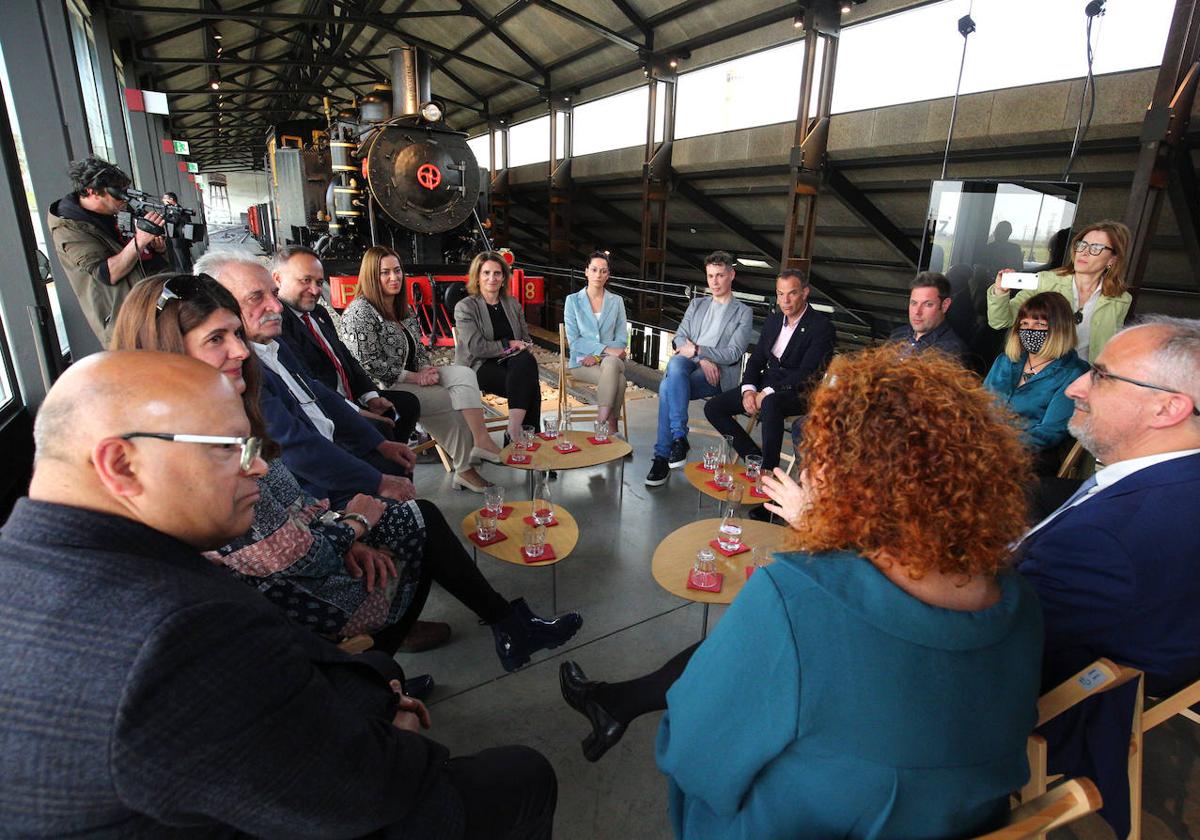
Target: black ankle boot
[[521, 633], [579, 692]]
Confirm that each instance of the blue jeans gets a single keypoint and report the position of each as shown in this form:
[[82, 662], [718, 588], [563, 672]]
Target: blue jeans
[[683, 383]]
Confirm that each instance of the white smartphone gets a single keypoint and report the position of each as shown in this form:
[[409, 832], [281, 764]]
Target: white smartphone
[[1019, 280]]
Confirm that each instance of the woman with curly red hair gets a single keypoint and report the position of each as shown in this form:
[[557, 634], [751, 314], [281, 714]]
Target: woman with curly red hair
[[881, 679]]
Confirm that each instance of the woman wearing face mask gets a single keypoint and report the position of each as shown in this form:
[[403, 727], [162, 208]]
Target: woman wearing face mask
[[1032, 374], [1092, 283]]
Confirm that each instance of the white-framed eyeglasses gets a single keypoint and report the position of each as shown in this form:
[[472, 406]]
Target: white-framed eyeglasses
[[250, 446]]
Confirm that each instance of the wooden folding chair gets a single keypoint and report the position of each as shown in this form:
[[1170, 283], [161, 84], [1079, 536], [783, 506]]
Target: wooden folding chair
[[1105, 675], [1068, 802], [356, 644], [1071, 461], [565, 380]]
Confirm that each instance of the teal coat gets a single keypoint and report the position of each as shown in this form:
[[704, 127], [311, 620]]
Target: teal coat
[[1041, 403], [828, 703]]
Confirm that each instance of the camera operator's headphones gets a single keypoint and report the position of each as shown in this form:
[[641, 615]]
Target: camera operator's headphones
[[99, 174]]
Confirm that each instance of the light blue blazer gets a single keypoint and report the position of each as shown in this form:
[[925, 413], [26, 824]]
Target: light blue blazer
[[588, 336]]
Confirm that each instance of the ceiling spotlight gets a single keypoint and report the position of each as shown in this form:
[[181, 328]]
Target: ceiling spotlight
[[845, 8], [798, 21], [215, 84], [673, 63], [566, 99], [217, 36]]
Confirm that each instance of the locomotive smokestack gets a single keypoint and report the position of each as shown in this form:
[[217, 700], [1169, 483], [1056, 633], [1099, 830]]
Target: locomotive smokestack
[[410, 80]]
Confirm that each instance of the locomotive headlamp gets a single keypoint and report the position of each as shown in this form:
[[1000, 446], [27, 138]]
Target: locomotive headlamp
[[431, 111]]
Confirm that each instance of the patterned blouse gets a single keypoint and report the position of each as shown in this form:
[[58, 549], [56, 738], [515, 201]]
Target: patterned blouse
[[385, 349]]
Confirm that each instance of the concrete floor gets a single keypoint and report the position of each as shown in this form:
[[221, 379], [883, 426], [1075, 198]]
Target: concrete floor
[[631, 626]]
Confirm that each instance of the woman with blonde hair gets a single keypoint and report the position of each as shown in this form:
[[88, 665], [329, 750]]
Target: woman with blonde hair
[[1092, 281], [1032, 374], [383, 335], [842, 694], [494, 341]]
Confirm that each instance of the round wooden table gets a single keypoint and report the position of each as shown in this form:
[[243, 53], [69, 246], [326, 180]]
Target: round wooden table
[[546, 457], [699, 479], [563, 537], [676, 555]]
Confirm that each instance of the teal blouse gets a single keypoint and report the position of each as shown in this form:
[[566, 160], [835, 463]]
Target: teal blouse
[[1041, 403], [829, 703]]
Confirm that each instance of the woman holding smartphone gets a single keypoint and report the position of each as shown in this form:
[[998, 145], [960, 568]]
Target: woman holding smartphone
[[1093, 282], [493, 340]]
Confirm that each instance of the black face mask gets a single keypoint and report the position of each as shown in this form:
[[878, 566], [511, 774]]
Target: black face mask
[[1033, 340]]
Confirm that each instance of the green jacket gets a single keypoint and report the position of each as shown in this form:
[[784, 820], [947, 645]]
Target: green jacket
[[83, 250], [1107, 318]]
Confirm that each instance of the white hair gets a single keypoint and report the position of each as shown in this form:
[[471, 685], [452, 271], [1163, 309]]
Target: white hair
[[1176, 359], [214, 261]]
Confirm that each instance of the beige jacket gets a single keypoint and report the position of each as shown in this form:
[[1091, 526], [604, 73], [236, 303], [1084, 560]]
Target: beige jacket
[[475, 342]]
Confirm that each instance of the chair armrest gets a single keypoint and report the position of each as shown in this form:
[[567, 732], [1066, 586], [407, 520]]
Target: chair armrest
[[1053, 809], [1102, 675], [1173, 705]]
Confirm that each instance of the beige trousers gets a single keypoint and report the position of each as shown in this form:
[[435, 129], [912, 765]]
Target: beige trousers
[[608, 377], [440, 405]]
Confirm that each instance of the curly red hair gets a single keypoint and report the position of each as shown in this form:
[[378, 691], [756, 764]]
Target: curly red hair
[[913, 463]]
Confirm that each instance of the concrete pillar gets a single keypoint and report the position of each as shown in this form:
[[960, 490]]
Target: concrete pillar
[[111, 92], [36, 39]]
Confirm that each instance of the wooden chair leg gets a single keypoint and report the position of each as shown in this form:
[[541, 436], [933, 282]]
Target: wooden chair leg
[[445, 458], [1035, 751], [1135, 767]]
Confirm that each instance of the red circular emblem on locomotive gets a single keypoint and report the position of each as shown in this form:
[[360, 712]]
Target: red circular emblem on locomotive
[[429, 176]]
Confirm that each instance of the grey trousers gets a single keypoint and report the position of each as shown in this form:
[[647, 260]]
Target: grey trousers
[[608, 377]]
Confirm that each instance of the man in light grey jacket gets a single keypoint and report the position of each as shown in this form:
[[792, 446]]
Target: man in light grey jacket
[[709, 345]]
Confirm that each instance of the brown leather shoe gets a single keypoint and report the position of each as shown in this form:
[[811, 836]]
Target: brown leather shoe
[[425, 635]]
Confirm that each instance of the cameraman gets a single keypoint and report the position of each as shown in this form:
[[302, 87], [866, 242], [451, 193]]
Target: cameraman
[[100, 263]]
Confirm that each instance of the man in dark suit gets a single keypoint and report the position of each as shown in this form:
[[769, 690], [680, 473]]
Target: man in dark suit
[[333, 451], [793, 349], [149, 693], [1115, 566], [309, 331]]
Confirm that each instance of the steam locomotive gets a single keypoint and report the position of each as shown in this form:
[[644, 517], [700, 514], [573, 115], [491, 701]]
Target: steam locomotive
[[388, 171]]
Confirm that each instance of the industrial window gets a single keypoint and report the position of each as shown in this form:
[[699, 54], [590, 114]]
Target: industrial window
[[84, 46], [529, 142], [481, 148]]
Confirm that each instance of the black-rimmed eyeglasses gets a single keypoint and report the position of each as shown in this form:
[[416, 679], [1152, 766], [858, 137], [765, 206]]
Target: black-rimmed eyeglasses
[[250, 446], [181, 287], [1093, 248], [1098, 373]]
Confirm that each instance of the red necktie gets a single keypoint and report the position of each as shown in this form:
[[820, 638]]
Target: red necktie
[[320, 339]]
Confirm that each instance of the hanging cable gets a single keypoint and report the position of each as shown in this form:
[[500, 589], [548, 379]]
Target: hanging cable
[[966, 25], [1093, 10]]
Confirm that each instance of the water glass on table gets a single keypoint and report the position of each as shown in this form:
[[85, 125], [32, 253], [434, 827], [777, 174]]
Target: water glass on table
[[528, 433], [760, 557], [601, 430], [723, 474], [485, 525], [710, 457], [705, 568], [493, 500], [550, 424], [534, 541], [754, 467]]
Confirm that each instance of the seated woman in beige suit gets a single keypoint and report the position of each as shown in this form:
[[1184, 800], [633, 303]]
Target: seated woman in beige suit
[[383, 335]]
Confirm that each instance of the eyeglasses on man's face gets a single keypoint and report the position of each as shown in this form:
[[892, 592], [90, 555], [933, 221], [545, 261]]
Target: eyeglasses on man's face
[[1093, 248], [250, 446], [1098, 373]]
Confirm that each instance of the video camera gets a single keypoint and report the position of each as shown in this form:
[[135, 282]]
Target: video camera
[[179, 220]]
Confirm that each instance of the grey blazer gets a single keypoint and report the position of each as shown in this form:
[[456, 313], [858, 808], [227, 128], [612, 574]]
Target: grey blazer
[[475, 342], [730, 347]]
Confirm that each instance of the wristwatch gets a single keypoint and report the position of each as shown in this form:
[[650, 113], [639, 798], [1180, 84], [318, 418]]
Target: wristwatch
[[355, 517]]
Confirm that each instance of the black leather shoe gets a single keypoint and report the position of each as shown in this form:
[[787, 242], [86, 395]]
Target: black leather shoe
[[759, 513], [679, 452], [577, 690], [521, 633], [659, 472], [420, 686]]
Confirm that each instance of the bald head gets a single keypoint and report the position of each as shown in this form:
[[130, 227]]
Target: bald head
[[194, 492]]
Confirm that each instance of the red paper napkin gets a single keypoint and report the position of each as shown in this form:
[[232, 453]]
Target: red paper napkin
[[519, 460], [528, 520], [500, 537], [546, 436], [505, 510], [749, 571], [533, 447], [715, 587], [547, 554], [573, 448], [717, 546], [700, 466], [594, 442], [716, 486], [754, 492], [747, 476]]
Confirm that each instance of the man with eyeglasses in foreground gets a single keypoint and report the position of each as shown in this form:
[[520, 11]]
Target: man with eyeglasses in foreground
[[1115, 567], [147, 692]]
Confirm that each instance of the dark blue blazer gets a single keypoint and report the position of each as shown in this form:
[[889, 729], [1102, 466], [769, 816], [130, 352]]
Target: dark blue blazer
[[333, 469], [804, 358], [299, 339], [1117, 577]]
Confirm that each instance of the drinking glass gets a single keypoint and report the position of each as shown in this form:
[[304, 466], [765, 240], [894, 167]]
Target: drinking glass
[[710, 457], [735, 493], [723, 475], [601, 430], [564, 444], [754, 467], [493, 499], [760, 556], [551, 427], [527, 434], [729, 536], [534, 541], [485, 525], [704, 570], [542, 508]]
